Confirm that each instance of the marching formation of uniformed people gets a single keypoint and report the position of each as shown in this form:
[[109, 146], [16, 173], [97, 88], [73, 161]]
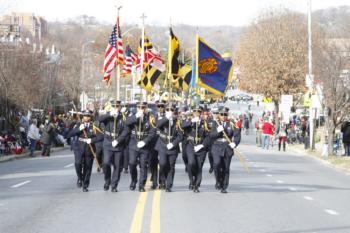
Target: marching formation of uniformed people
[[139, 141]]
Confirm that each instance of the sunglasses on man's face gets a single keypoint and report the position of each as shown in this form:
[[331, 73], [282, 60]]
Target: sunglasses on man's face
[[141, 107], [223, 114]]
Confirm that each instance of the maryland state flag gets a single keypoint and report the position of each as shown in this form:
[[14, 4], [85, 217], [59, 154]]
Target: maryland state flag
[[149, 77], [214, 72], [184, 78], [174, 51]]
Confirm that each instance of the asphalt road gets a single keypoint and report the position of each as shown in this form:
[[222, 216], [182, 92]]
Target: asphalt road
[[283, 193]]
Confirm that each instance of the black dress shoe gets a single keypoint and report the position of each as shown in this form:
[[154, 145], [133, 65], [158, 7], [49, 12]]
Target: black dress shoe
[[142, 189], [106, 187], [211, 170], [162, 186], [190, 186], [196, 190], [79, 183], [132, 186], [98, 170], [85, 189], [223, 190], [168, 190], [154, 186], [114, 190], [126, 171], [217, 186]]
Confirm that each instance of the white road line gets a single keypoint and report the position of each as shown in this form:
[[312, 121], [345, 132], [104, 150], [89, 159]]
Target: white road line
[[308, 198], [331, 212], [20, 184], [1, 204], [255, 165], [279, 181], [268, 175], [292, 189], [262, 170], [69, 165]]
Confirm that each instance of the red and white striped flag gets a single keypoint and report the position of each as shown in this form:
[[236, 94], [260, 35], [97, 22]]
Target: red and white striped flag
[[130, 57], [114, 52]]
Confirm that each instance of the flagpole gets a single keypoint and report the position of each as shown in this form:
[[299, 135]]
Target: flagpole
[[144, 94], [170, 76], [117, 97]]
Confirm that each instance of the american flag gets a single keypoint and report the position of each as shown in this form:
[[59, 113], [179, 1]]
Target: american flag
[[114, 52], [130, 57]]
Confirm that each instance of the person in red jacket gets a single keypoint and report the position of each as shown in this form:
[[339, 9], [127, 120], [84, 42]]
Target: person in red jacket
[[268, 130]]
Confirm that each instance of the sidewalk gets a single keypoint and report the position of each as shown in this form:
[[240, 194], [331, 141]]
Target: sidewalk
[[338, 162], [5, 158]]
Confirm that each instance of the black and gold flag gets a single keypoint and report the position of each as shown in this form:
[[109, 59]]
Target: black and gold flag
[[174, 51], [183, 80], [149, 77], [147, 44]]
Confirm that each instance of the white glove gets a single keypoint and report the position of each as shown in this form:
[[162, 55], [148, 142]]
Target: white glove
[[114, 112], [139, 114], [232, 145], [123, 109], [169, 115], [170, 146], [198, 147], [220, 128], [81, 127], [195, 120], [141, 144], [115, 143], [88, 141]]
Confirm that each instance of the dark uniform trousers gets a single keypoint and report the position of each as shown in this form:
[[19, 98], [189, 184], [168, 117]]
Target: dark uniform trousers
[[125, 157], [153, 165], [112, 157], [138, 156], [222, 153], [222, 162], [167, 168], [195, 164]]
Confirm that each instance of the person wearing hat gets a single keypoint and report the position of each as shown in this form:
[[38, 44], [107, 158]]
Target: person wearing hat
[[82, 152], [113, 145], [141, 134], [154, 161], [168, 147], [222, 149], [195, 133]]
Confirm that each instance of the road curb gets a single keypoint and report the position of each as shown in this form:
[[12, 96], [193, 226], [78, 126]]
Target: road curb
[[7, 158], [324, 162]]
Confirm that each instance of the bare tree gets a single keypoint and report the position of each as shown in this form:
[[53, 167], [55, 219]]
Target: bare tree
[[272, 55], [332, 71]]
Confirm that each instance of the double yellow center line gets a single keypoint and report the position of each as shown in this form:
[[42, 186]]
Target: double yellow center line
[[136, 225]]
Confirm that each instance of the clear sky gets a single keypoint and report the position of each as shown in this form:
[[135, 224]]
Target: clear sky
[[159, 12]]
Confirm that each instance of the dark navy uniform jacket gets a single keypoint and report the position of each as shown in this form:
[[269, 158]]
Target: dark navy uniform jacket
[[140, 130], [163, 140], [79, 145], [220, 145], [113, 130]]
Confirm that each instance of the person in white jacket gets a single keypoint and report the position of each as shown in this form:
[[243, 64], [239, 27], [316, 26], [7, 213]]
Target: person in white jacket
[[33, 136]]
